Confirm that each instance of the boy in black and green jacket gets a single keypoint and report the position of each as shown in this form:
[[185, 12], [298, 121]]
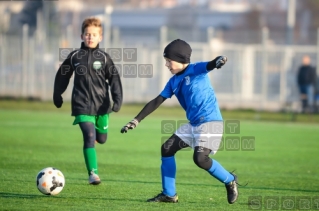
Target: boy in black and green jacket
[[94, 74]]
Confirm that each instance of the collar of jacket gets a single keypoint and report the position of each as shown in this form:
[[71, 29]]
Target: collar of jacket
[[86, 48]]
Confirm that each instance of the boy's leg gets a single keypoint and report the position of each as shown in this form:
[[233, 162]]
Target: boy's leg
[[202, 160], [208, 137], [89, 152], [168, 169]]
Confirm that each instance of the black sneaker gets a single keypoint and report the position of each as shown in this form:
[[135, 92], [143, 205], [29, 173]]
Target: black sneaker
[[232, 191], [163, 198]]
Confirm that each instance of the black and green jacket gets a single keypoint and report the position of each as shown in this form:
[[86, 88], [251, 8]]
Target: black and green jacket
[[94, 75]]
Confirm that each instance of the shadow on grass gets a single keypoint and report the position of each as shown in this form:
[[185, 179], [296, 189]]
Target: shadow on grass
[[20, 195], [210, 185], [33, 196]]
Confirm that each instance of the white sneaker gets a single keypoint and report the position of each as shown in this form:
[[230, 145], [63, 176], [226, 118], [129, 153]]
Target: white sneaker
[[94, 179]]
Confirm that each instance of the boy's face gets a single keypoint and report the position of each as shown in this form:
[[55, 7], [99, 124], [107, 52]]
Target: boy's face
[[91, 36], [173, 66]]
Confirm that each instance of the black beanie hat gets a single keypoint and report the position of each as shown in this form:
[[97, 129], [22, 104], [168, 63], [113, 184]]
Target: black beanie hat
[[179, 51]]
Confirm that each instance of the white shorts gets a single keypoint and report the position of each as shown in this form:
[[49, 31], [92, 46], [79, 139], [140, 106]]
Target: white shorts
[[207, 135]]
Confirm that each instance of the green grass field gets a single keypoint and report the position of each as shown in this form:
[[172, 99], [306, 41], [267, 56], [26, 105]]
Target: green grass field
[[283, 164]]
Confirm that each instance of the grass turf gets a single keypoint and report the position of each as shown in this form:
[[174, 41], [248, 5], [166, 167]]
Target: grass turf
[[283, 164]]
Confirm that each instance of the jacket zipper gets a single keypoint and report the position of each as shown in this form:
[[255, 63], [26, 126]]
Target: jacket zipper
[[89, 79]]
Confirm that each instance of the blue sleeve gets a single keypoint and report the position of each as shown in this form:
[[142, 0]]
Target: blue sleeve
[[200, 68], [167, 91]]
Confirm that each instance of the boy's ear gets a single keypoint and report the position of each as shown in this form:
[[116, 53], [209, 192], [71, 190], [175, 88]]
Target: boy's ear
[[81, 36], [100, 39]]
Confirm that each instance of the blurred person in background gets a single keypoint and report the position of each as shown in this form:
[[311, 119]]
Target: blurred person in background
[[307, 80], [316, 103]]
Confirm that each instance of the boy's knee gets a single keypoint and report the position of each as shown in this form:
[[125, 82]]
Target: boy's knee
[[202, 160], [101, 138], [89, 136], [166, 150], [171, 146], [89, 140]]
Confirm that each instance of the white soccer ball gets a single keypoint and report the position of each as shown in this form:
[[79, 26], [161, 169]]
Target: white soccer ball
[[50, 181]]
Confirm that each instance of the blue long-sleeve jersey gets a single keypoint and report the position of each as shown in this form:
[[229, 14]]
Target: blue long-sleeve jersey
[[195, 93]]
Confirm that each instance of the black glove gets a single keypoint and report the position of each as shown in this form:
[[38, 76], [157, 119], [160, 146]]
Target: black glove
[[115, 107], [57, 100], [220, 61], [130, 126]]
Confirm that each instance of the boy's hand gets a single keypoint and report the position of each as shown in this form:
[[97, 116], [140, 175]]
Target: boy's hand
[[130, 126], [220, 61], [115, 108], [57, 100]]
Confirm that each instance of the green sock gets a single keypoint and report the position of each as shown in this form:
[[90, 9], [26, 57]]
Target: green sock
[[90, 160]]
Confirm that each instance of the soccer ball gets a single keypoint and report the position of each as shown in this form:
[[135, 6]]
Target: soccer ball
[[50, 181]]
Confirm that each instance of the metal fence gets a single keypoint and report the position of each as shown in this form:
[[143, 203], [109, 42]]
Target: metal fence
[[261, 76]]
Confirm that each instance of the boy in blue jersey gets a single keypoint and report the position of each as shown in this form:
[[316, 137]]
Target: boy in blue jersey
[[191, 86]]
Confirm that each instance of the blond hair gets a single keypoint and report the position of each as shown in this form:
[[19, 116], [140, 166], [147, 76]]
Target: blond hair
[[91, 21]]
